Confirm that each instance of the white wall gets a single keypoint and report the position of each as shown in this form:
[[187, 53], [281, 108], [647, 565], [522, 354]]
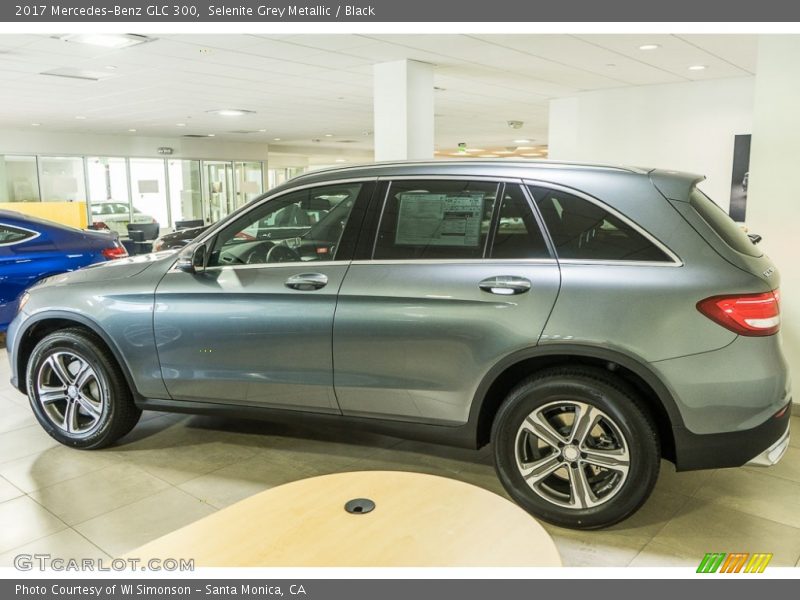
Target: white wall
[[684, 126], [43, 142], [773, 206]]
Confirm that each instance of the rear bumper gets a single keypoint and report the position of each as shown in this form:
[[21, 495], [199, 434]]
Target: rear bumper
[[763, 445]]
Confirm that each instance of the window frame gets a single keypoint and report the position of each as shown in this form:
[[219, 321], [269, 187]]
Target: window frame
[[674, 259], [33, 236], [351, 229]]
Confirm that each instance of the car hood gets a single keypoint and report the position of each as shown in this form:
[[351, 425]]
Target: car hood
[[104, 271]]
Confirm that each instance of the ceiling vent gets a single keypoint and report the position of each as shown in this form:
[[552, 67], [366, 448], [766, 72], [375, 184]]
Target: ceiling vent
[[194, 135], [243, 131], [83, 74], [345, 141]]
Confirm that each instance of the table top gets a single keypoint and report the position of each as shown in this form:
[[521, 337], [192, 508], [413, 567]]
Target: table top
[[418, 520]]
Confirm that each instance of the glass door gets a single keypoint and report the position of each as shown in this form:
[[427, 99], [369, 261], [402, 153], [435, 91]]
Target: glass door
[[249, 181], [218, 189], [185, 193], [109, 201]]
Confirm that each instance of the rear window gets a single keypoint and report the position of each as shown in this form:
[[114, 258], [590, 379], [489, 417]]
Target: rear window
[[13, 235], [725, 227]]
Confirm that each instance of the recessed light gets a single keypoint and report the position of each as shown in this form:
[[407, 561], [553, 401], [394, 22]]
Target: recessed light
[[231, 112], [276, 139], [328, 135], [526, 148], [474, 150], [180, 124], [211, 135], [532, 154], [114, 41], [80, 118], [488, 156], [649, 46], [522, 141], [697, 68], [262, 131], [341, 160], [36, 124], [132, 130], [111, 67]]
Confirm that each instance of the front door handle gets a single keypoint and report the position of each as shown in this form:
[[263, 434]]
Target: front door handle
[[307, 282], [505, 285]]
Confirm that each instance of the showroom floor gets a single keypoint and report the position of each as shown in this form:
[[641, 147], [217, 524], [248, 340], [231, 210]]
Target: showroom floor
[[172, 470]]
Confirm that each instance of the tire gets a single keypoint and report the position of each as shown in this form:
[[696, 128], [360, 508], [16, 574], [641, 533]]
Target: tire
[[562, 472], [78, 392]]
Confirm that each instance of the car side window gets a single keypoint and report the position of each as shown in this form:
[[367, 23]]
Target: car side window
[[12, 235], [435, 219], [518, 234], [301, 226], [583, 230]]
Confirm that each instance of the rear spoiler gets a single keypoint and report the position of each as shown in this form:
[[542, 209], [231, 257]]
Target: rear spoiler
[[675, 185]]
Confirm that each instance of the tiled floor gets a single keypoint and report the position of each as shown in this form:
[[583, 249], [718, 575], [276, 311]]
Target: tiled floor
[[172, 470]]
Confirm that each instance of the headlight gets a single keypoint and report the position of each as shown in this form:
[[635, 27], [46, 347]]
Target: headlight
[[23, 300]]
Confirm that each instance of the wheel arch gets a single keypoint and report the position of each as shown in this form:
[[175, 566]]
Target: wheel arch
[[40, 325], [499, 381]]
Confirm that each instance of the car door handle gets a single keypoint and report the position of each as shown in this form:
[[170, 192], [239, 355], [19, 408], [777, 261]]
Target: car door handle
[[307, 282], [505, 285]]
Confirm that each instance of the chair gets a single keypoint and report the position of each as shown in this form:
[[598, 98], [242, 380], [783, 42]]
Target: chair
[[142, 236]]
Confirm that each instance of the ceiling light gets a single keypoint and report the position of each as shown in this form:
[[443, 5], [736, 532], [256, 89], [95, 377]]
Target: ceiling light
[[262, 131], [231, 112], [180, 124], [111, 67], [341, 160], [488, 156], [503, 152], [132, 130], [456, 154], [474, 150], [697, 68], [276, 139], [526, 148], [114, 41], [328, 135], [211, 134], [649, 46], [522, 141], [35, 124], [80, 117], [532, 154]]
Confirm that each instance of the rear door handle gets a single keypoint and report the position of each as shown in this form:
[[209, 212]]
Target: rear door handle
[[505, 285], [307, 282]]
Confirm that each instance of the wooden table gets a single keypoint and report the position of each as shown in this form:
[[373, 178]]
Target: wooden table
[[418, 520]]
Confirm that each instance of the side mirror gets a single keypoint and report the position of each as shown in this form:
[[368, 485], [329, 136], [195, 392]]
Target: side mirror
[[192, 259]]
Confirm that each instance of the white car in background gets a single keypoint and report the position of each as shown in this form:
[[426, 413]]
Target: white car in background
[[118, 213]]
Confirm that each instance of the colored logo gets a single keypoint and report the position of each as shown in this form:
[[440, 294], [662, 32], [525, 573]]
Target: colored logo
[[736, 562]]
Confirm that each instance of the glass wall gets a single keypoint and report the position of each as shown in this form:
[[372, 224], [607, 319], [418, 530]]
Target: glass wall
[[185, 190], [61, 179], [109, 200], [149, 191], [19, 181], [249, 181], [276, 177]]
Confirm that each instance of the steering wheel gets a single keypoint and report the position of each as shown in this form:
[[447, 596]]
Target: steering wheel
[[257, 256], [280, 253]]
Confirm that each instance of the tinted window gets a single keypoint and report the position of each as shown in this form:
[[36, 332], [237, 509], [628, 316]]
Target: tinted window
[[722, 224], [12, 235], [435, 220], [299, 226], [583, 230], [518, 234]]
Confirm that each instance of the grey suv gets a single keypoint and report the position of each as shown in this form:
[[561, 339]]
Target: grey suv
[[586, 321]]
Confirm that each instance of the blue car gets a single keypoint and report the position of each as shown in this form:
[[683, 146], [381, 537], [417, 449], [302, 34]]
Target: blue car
[[32, 249]]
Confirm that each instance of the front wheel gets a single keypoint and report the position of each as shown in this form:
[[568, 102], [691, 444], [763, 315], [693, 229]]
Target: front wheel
[[573, 447], [78, 392]]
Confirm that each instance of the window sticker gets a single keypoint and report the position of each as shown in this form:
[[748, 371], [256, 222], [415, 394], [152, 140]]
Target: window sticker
[[439, 219]]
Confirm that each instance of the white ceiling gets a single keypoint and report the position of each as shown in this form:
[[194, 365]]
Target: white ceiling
[[305, 86]]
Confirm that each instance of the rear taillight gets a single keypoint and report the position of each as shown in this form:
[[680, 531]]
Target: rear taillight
[[745, 314], [115, 252]]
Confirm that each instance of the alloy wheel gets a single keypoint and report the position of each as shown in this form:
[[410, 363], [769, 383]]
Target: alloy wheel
[[70, 393], [572, 454]]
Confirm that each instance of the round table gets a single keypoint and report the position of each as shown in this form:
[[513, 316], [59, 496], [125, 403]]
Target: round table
[[417, 520]]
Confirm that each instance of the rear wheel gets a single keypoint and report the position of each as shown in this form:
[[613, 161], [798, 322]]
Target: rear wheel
[[78, 392], [574, 447]]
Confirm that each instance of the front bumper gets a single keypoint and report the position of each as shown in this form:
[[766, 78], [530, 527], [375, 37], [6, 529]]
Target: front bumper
[[773, 454]]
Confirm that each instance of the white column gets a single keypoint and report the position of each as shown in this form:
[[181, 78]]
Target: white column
[[773, 204], [403, 108]]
